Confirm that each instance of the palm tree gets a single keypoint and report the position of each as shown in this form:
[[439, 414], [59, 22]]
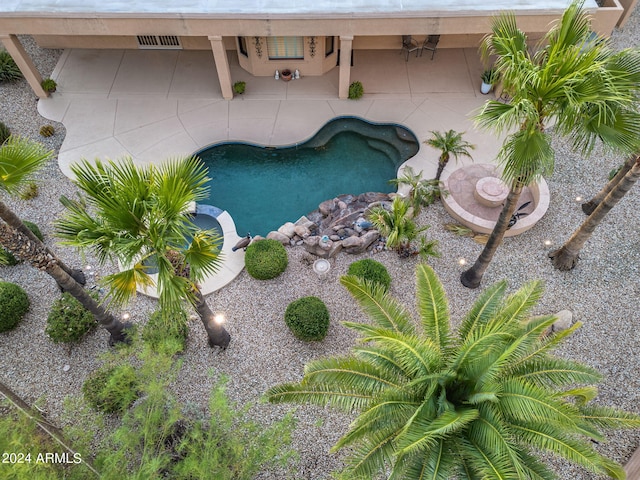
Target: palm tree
[[589, 90], [19, 159], [566, 257], [138, 216], [618, 174], [480, 404], [449, 143], [421, 192], [400, 229]]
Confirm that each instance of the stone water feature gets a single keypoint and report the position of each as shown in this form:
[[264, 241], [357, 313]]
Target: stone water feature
[[338, 225], [476, 196]]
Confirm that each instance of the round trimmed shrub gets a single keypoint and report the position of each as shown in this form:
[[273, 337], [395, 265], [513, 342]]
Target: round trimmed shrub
[[68, 320], [307, 318], [166, 335], [266, 259], [369, 269], [111, 389], [14, 303]]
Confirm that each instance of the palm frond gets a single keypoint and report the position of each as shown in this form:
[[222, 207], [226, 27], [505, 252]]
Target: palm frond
[[123, 285], [483, 309], [20, 158], [526, 155], [517, 306], [333, 395], [203, 254], [373, 455], [438, 463], [607, 417], [549, 372], [432, 306], [350, 372]]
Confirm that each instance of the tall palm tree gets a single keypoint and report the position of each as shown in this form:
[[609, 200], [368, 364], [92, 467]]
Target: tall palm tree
[[589, 90], [449, 143], [19, 159], [138, 216], [590, 206], [480, 404], [566, 257]]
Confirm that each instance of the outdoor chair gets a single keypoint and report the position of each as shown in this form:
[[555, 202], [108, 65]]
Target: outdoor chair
[[430, 43], [409, 45]]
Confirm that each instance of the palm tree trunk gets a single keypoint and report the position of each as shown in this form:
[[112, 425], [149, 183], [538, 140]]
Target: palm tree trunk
[[566, 257], [471, 278], [590, 206], [41, 258], [218, 336], [15, 222], [441, 164]]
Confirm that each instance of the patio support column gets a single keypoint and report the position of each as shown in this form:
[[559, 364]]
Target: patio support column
[[346, 43], [222, 66], [24, 62]]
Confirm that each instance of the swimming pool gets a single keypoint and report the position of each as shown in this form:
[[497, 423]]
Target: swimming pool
[[264, 187]]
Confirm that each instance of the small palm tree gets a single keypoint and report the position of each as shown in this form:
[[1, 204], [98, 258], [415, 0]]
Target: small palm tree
[[422, 192], [449, 143], [400, 229], [19, 160], [138, 216], [479, 404], [566, 257], [588, 89]]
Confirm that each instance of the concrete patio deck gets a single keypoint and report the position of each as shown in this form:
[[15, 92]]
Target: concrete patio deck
[[153, 105]]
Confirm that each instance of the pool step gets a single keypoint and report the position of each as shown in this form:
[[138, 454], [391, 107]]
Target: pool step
[[384, 147]]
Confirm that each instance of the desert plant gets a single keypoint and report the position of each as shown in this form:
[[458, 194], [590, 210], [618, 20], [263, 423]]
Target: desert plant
[[449, 143], [47, 130], [266, 259], [356, 90], [29, 191], [14, 303], [111, 388], [4, 133], [68, 320], [307, 318], [422, 193], [166, 335], [484, 400], [239, 87], [369, 269], [9, 71], [49, 85], [489, 76]]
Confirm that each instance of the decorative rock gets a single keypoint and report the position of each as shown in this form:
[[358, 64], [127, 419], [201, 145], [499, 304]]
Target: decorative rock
[[370, 197], [328, 249], [66, 368], [326, 207], [281, 237], [288, 229], [342, 205], [564, 321], [335, 238], [304, 222], [258, 237], [302, 231], [357, 245]]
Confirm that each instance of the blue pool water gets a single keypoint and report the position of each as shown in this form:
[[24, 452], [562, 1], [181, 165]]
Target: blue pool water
[[264, 187]]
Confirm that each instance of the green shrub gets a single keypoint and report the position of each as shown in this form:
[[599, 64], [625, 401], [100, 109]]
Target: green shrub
[[30, 191], [266, 259], [14, 303], [166, 335], [356, 90], [47, 130], [111, 389], [239, 87], [68, 321], [307, 318], [9, 71], [369, 269], [4, 133], [49, 85]]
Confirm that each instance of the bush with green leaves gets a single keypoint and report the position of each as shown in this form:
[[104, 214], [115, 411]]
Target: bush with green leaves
[[9, 71], [111, 389], [239, 87], [6, 257], [266, 259], [356, 90], [49, 85], [307, 318], [371, 270], [166, 335], [14, 303], [4, 133], [68, 320]]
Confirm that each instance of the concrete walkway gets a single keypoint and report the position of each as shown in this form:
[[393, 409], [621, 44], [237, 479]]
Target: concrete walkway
[[153, 105]]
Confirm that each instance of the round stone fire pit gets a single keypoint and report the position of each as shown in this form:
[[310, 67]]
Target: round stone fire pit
[[477, 194]]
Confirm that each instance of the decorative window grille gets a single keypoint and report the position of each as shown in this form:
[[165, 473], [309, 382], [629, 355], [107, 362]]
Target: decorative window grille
[[285, 48], [170, 42]]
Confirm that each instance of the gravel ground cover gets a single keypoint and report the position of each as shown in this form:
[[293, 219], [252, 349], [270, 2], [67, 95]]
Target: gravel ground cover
[[602, 292]]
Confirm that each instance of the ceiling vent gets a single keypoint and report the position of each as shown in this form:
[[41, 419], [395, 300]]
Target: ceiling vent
[[169, 42]]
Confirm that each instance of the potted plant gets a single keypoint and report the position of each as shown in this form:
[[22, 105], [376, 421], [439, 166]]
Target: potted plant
[[239, 87], [286, 75], [49, 85], [489, 77]]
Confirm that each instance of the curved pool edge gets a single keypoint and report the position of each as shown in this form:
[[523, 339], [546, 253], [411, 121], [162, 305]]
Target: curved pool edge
[[231, 263]]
